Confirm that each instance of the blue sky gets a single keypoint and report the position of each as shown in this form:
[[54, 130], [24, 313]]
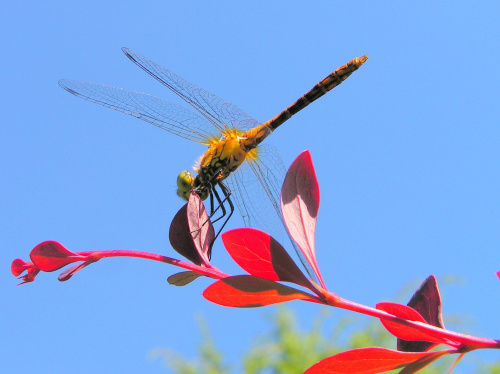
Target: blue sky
[[407, 153]]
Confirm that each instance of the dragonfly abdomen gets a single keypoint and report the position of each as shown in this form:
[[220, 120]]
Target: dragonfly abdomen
[[253, 137], [321, 88]]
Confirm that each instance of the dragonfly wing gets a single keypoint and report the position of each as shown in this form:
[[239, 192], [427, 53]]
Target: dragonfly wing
[[255, 188], [258, 194], [217, 111], [161, 113]]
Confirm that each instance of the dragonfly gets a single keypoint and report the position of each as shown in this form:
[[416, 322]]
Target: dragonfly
[[233, 138]]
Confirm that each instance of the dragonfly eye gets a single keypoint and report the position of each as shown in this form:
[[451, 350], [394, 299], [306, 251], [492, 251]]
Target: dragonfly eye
[[183, 194], [185, 183]]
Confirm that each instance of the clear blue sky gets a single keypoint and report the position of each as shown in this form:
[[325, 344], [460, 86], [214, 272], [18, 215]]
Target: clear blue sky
[[407, 153]]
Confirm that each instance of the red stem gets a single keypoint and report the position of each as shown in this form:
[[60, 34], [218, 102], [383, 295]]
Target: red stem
[[457, 340], [211, 272]]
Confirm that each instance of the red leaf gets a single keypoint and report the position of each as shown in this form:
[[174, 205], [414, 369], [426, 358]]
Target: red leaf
[[181, 239], [183, 278], [426, 301], [50, 256], [300, 205], [200, 227], [246, 291], [18, 266], [364, 361], [260, 255], [498, 274], [403, 331]]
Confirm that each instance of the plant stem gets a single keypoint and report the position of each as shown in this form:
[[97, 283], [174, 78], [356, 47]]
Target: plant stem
[[457, 340], [211, 272]]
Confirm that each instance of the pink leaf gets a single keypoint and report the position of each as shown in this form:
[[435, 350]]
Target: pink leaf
[[181, 239], [426, 301], [300, 205], [365, 361], [201, 228], [50, 256], [406, 332], [260, 255], [246, 291]]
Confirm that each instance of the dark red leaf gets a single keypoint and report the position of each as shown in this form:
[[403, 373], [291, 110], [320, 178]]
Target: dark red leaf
[[31, 273], [300, 205], [246, 291], [402, 331], [364, 361], [260, 255], [426, 301], [50, 256], [69, 272], [183, 278], [422, 362], [181, 239], [201, 228]]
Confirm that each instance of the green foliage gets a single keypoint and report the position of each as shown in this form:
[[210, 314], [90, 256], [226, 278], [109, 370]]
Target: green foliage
[[210, 360], [288, 350]]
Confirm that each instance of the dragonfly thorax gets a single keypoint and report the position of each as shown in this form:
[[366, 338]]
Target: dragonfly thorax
[[216, 164]]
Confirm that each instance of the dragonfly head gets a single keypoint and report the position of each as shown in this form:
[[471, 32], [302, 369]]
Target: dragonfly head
[[186, 184]]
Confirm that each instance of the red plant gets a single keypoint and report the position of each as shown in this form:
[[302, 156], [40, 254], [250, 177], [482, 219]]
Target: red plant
[[417, 326]]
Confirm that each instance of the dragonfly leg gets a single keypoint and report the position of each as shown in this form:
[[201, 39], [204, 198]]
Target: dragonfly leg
[[227, 197], [211, 205], [227, 193], [213, 193], [220, 204]]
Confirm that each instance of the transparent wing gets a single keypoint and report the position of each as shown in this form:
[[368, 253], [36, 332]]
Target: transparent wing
[[256, 188], [161, 113], [217, 111]]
